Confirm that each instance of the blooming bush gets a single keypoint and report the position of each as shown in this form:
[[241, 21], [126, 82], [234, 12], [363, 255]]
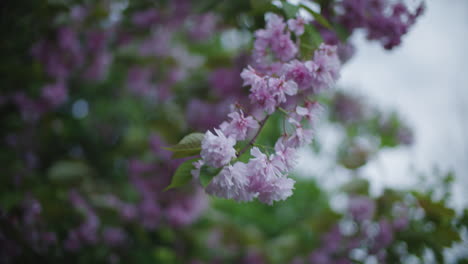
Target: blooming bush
[[168, 132]]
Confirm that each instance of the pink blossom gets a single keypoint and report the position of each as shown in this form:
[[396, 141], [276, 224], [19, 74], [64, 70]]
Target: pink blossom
[[275, 38], [196, 172], [331, 53], [202, 27], [279, 87], [297, 25], [238, 126], [361, 208], [114, 236], [283, 47], [274, 24], [217, 150], [69, 42], [345, 51], [300, 137], [145, 18], [226, 82], [250, 77], [186, 209], [276, 190], [310, 111], [285, 156], [266, 178], [231, 183], [139, 81], [55, 94], [202, 115], [261, 164], [322, 79], [264, 164], [299, 73], [324, 67], [262, 96], [99, 67]]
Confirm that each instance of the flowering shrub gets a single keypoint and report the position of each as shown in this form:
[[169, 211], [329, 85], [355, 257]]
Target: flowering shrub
[[279, 82], [168, 132]]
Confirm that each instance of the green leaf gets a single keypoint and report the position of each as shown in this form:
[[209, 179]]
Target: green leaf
[[271, 131], [289, 9], [164, 255], [357, 186], [342, 33], [68, 171], [190, 145], [245, 157], [310, 41], [318, 17], [260, 5], [205, 6], [436, 211], [207, 173], [182, 175]]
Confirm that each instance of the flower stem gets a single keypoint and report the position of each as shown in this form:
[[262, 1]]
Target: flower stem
[[284, 111], [252, 141]]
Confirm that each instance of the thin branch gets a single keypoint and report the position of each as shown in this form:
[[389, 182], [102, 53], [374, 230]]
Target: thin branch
[[252, 141]]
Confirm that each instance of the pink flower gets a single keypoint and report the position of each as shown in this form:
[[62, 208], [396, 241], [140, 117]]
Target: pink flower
[[276, 190], [231, 183], [297, 25], [322, 79], [99, 67], [283, 47], [250, 77], [239, 125], [261, 164], [299, 73], [145, 18], [226, 82], [285, 157], [262, 96], [325, 67], [274, 24], [139, 81], [55, 94], [361, 208], [203, 26], [310, 111], [266, 178], [217, 150], [331, 53], [275, 38], [280, 88], [300, 137], [196, 172], [184, 210]]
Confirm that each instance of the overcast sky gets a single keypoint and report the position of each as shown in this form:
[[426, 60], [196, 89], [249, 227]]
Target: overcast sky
[[426, 80]]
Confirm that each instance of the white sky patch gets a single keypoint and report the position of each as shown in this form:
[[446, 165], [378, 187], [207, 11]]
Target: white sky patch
[[426, 80]]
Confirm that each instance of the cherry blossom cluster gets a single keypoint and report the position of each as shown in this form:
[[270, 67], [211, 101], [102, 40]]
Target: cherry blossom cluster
[[362, 229], [278, 81], [384, 21]]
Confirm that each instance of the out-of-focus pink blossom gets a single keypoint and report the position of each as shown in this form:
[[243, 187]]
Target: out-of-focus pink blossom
[[361, 208], [55, 94], [297, 25], [99, 67], [186, 209], [145, 18]]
